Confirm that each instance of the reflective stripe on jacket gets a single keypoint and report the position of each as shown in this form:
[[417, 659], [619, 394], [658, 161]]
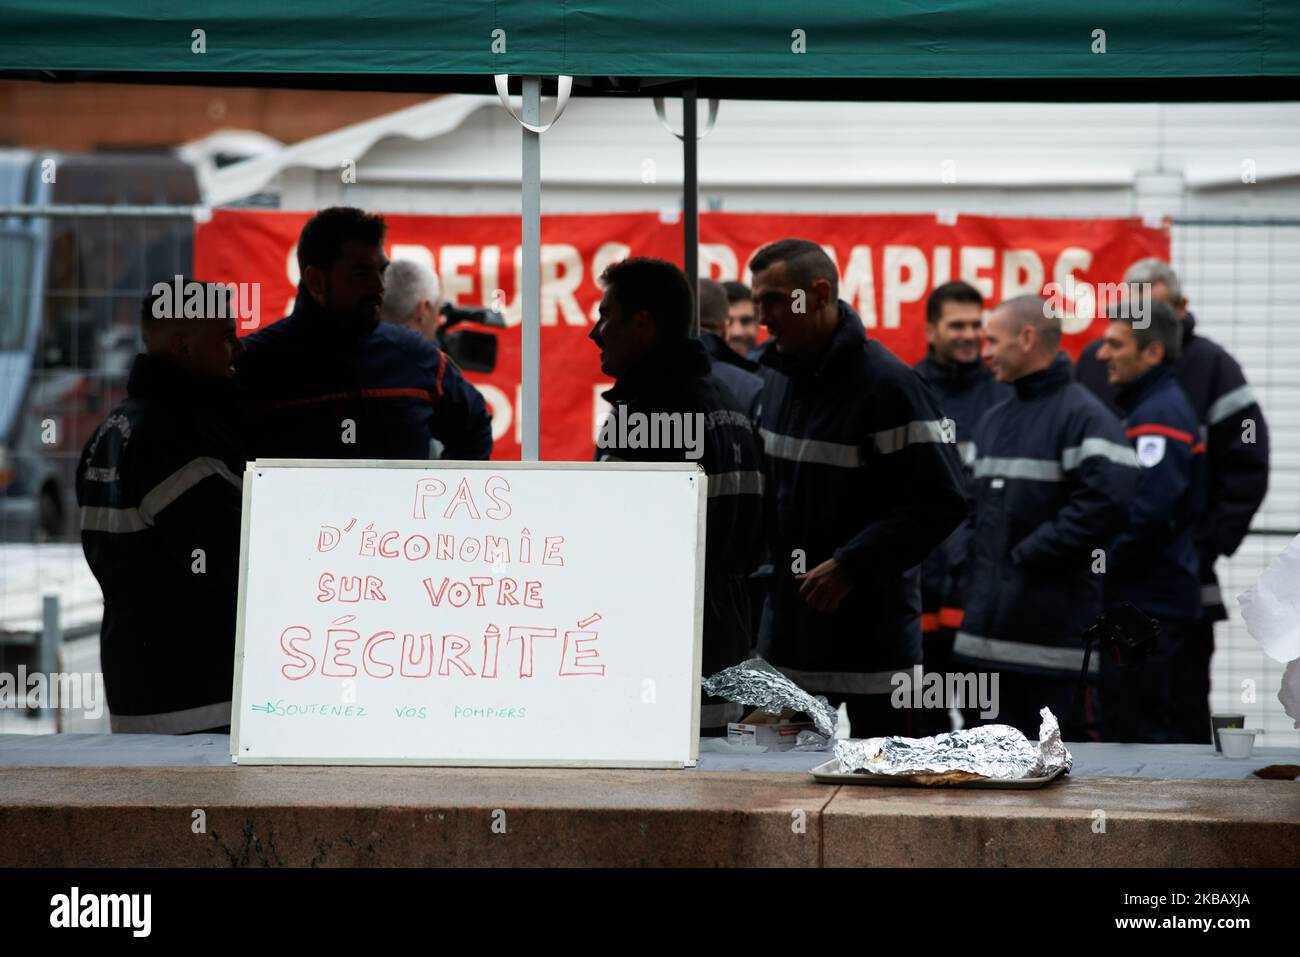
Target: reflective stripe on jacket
[[1236, 453], [319, 392], [862, 470], [160, 487], [1054, 479], [964, 393], [1153, 562]]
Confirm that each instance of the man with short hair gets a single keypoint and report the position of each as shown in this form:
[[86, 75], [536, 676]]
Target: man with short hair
[[729, 367], [1236, 463], [866, 482], [1153, 562], [1054, 478], [742, 323], [644, 338], [964, 388], [331, 382], [411, 297], [159, 484]]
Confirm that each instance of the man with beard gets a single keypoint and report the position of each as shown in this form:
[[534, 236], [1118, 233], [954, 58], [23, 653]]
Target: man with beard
[[331, 381]]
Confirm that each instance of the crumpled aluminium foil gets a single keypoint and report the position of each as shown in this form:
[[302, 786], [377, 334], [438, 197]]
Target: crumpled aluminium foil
[[995, 751], [759, 685]]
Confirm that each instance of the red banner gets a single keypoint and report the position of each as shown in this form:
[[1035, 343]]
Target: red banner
[[888, 265]]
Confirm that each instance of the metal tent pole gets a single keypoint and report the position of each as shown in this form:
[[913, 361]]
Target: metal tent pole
[[531, 328], [691, 202]]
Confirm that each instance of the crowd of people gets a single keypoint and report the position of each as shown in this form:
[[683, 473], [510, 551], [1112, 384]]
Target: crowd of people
[[979, 512]]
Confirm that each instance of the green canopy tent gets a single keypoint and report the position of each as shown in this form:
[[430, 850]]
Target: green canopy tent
[[1100, 50]]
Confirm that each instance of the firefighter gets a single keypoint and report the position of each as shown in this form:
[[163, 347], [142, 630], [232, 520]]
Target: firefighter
[[330, 381], [742, 324], [1236, 466], [643, 334], [1054, 479], [729, 367], [159, 484], [866, 482], [964, 389], [1153, 562]]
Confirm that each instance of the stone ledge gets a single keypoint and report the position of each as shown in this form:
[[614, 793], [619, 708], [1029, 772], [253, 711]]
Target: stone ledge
[[349, 817], [419, 817], [1148, 823]]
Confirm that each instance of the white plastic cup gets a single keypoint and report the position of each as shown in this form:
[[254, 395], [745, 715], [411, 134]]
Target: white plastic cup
[[1238, 742], [1219, 721]]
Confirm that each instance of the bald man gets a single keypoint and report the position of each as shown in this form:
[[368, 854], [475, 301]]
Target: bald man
[[1054, 477]]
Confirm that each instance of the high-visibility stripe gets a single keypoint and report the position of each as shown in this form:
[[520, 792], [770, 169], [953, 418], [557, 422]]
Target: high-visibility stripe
[[1048, 470], [913, 433], [394, 393], [1230, 403], [1152, 428], [172, 722], [442, 367], [181, 481], [967, 451], [1074, 456], [1198, 448], [943, 618], [96, 518], [843, 682], [1210, 595], [1021, 653], [735, 483], [810, 450], [1038, 470]]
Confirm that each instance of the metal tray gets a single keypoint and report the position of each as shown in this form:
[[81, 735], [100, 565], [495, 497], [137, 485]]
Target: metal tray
[[826, 774]]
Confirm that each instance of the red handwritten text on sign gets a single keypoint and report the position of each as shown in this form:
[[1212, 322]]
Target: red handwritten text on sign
[[503, 649]]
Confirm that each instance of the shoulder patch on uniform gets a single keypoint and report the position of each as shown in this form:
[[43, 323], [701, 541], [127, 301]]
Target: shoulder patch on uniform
[[1150, 450]]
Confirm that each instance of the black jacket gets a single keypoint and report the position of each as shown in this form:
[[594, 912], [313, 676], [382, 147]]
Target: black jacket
[[1055, 477], [964, 392], [676, 379], [159, 484], [735, 372], [1153, 562], [1236, 438], [306, 378], [862, 470]]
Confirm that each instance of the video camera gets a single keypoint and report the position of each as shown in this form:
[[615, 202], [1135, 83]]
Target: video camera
[[472, 351]]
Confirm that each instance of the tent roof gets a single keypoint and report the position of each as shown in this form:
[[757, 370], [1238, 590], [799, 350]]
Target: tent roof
[[990, 40]]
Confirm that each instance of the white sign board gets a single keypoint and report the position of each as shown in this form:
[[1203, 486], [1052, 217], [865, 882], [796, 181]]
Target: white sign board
[[458, 613]]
